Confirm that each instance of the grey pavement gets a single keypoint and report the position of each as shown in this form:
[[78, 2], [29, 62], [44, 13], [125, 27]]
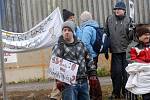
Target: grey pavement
[[44, 86]]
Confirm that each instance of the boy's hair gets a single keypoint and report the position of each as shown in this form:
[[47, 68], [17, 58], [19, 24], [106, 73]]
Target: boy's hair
[[142, 29]]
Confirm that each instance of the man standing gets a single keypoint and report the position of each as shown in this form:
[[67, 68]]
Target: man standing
[[67, 16], [117, 27], [73, 50]]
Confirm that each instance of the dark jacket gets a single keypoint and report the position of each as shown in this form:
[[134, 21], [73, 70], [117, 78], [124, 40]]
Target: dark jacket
[[76, 53], [118, 30]]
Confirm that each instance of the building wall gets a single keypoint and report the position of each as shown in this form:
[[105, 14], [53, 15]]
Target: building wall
[[21, 15]]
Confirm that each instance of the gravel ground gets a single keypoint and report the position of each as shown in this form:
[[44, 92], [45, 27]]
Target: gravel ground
[[43, 86], [42, 91]]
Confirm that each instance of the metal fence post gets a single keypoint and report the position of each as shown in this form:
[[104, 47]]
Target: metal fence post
[[2, 57], [2, 69]]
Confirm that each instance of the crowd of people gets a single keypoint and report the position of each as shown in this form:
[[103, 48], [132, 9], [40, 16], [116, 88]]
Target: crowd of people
[[126, 46]]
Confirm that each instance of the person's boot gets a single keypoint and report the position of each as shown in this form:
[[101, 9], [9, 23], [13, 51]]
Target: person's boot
[[114, 97]]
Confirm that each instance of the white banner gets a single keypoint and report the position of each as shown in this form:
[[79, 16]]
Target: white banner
[[63, 70], [45, 34], [10, 57]]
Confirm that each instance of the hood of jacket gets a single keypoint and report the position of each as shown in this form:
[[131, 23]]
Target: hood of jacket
[[89, 23]]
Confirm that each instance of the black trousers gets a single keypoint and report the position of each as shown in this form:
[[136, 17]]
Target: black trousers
[[146, 96], [118, 73]]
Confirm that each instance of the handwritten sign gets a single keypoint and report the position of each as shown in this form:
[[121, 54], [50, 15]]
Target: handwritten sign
[[63, 70]]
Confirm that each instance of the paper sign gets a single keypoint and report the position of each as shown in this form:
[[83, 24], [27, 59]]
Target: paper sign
[[10, 57], [63, 70]]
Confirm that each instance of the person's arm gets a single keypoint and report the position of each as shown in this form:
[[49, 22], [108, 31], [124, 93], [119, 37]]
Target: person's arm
[[132, 56], [147, 53], [91, 71], [131, 29], [91, 68], [106, 28], [128, 53], [56, 51], [78, 33]]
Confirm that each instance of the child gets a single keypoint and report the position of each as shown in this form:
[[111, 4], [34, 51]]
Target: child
[[138, 55]]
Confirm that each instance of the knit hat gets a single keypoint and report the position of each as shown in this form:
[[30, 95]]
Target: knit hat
[[120, 5], [67, 14], [69, 24], [85, 16], [142, 29]]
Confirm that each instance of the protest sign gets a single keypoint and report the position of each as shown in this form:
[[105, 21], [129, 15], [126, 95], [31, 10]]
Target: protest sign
[[63, 70]]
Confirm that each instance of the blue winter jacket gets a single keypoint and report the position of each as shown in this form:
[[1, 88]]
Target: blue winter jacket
[[89, 35]]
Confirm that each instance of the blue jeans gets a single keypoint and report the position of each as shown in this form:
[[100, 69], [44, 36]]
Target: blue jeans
[[79, 91]]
